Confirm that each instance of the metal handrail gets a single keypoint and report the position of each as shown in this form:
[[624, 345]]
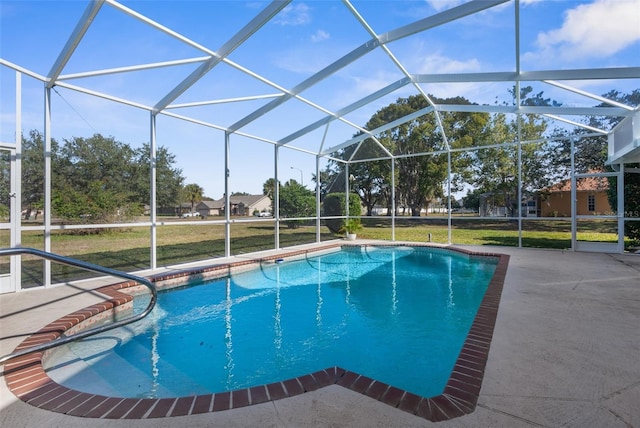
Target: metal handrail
[[92, 331]]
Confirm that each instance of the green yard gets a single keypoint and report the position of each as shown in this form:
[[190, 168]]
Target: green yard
[[128, 249]]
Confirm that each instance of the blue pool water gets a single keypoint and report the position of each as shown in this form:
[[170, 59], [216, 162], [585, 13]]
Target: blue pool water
[[399, 315]]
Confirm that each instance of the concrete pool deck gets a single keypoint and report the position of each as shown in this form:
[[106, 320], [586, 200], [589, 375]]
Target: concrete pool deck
[[565, 352]]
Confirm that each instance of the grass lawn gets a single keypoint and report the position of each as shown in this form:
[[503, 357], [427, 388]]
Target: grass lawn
[[128, 249]]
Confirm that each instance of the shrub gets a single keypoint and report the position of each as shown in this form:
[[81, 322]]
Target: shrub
[[334, 205]]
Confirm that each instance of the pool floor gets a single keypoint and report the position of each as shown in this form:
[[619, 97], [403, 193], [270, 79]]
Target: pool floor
[[27, 379]]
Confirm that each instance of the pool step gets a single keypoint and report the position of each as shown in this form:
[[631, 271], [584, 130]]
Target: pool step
[[84, 368]]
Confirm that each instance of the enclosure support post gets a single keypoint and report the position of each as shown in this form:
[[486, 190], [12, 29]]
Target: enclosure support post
[[393, 199], [347, 190], [318, 199], [227, 205], [519, 123], [449, 197], [620, 207], [574, 211], [519, 193], [16, 190], [47, 183], [519, 150], [153, 201], [276, 196]]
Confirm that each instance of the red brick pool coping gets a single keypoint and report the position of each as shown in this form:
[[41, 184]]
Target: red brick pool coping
[[26, 378]]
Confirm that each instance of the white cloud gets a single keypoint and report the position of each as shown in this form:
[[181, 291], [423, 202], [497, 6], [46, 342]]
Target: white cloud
[[436, 63], [319, 36], [369, 83], [439, 5], [297, 14], [595, 30]]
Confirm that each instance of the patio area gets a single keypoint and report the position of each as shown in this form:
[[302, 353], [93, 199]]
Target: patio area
[[564, 353]]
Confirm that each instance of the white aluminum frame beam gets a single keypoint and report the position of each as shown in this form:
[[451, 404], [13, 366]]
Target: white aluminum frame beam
[[441, 18], [405, 31], [16, 67], [324, 73], [525, 76], [128, 69], [588, 94], [497, 76], [577, 124], [346, 110], [223, 101], [581, 74], [74, 40], [103, 95], [404, 71], [378, 130], [575, 111], [240, 37]]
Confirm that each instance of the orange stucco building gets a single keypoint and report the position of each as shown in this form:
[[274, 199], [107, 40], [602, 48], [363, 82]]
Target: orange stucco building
[[591, 198]]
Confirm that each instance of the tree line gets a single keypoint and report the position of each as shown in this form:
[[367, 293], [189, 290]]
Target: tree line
[[99, 179], [486, 167]]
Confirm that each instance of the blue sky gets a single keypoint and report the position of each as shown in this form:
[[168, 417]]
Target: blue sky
[[302, 39]]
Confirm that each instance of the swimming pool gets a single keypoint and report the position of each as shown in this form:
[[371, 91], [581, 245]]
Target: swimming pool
[[292, 297]]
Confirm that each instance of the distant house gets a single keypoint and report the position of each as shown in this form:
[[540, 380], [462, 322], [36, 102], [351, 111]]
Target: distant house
[[183, 208], [207, 208], [591, 198], [241, 205]]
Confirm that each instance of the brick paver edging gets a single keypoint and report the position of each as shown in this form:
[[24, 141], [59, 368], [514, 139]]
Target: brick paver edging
[[26, 378]]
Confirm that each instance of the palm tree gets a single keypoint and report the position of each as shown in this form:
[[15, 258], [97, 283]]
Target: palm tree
[[193, 193], [269, 188]]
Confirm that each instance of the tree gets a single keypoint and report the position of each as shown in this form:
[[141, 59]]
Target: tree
[[591, 151], [86, 160], [33, 170], [495, 169], [367, 179], [328, 180], [169, 179], [5, 181], [269, 188], [89, 175], [87, 170], [454, 202], [334, 206], [192, 193], [96, 205], [420, 167], [631, 201], [472, 200], [296, 201]]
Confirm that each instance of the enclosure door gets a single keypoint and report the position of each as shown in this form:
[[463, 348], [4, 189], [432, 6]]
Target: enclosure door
[[9, 219]]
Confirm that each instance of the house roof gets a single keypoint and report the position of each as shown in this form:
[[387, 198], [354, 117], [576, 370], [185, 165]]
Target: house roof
[[247, 200], [211, 204], [585, 184]]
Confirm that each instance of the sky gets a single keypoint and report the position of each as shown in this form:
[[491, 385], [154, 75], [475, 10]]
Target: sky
[[295, 44]]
